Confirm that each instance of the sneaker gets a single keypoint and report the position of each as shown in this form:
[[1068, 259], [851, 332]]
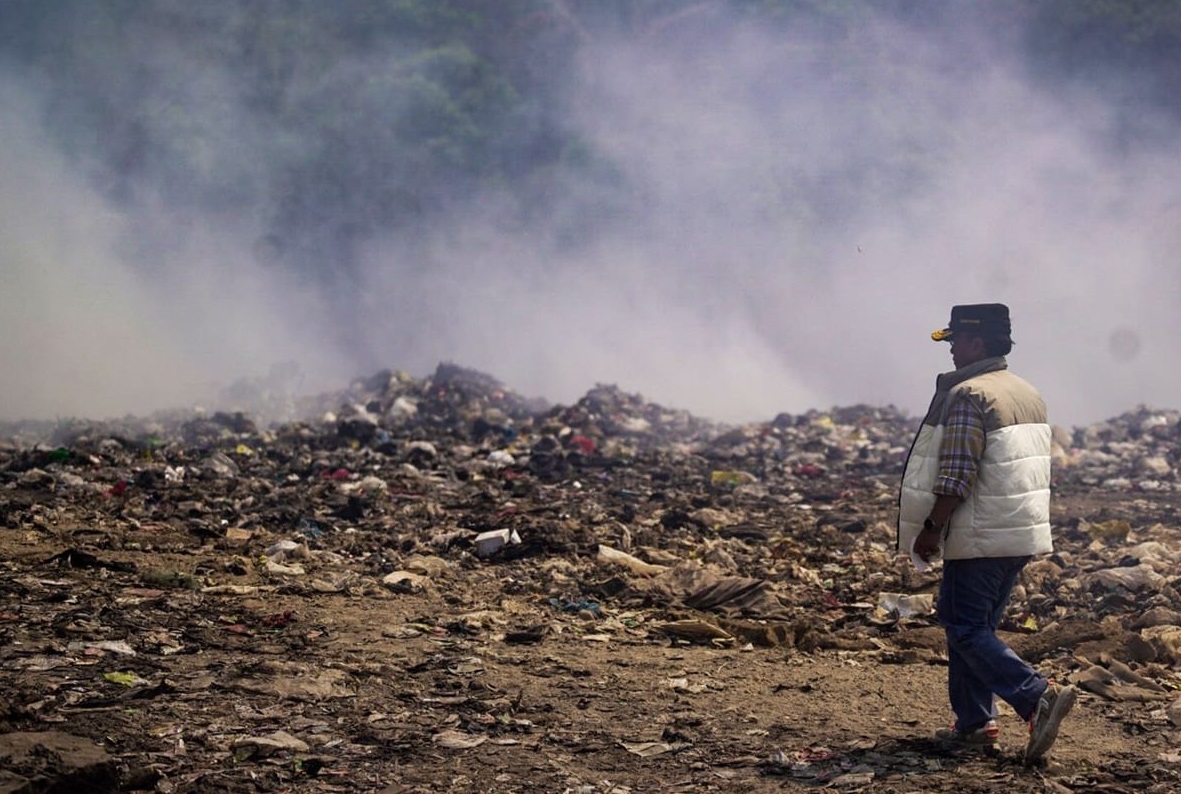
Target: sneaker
[[984, 737], [1055, 703]]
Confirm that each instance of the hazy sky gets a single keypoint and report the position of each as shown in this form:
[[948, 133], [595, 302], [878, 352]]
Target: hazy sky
[[802, 212]]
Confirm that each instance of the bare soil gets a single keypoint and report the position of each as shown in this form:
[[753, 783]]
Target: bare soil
[[479, 679]]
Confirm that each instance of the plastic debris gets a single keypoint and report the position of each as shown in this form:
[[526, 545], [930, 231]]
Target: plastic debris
[[435, 564]]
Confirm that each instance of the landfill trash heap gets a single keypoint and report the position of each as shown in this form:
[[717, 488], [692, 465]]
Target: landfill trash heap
[[398, 465], [612, 512]]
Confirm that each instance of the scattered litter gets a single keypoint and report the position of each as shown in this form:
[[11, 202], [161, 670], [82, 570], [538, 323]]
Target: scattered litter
[[416, 548]]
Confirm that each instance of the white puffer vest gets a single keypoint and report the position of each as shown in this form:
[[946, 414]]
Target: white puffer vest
[[1007, 512]]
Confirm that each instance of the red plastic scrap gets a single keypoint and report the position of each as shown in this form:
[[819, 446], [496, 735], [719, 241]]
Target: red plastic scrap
[[585, 445], [280, 619]]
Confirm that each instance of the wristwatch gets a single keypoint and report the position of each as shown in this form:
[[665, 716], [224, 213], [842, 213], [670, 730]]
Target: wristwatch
[[930, 526]]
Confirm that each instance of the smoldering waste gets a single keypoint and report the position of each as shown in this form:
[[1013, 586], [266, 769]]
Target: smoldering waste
[[176, 589]]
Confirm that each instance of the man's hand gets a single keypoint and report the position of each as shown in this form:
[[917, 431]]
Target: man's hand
[[926, 545]]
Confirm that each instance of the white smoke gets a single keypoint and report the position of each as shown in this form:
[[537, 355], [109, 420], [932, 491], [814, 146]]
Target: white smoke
[[794, 213]]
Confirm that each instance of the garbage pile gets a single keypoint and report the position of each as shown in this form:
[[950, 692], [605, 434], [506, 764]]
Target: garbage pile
[[1136, 451], [190, 533]]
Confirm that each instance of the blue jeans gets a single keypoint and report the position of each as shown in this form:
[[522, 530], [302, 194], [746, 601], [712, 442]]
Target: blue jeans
[[972, 599]]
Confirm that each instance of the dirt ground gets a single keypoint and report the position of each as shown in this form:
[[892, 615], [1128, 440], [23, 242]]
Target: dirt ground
[[473, 680], [200, 605]]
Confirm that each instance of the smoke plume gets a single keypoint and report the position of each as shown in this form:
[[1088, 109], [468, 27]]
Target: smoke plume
[[775, 221]]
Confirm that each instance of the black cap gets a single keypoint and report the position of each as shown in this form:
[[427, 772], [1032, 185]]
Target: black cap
[[988, 320]]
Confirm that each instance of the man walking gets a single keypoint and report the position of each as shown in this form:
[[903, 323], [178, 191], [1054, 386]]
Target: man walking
[[976, 486]]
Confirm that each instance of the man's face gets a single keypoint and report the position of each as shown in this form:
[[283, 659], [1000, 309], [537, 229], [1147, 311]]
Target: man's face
[[966, 350]]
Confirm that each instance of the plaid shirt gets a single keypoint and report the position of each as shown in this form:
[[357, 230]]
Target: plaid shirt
[[963, 446]]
